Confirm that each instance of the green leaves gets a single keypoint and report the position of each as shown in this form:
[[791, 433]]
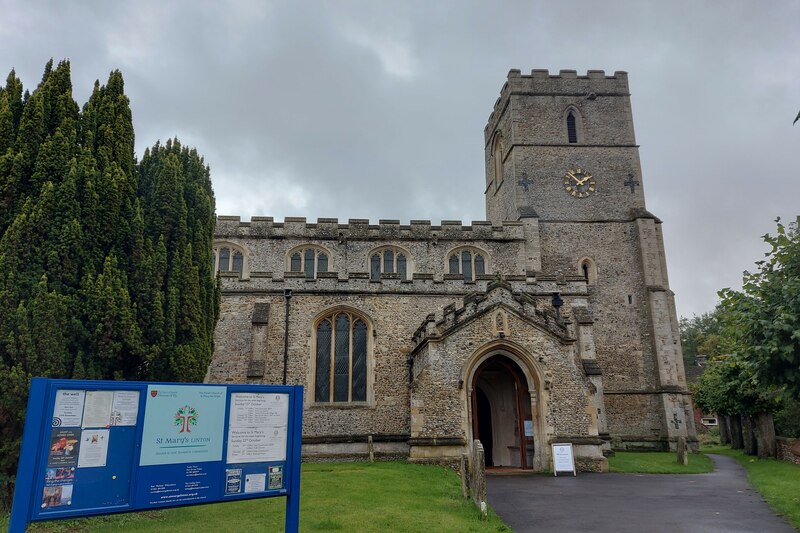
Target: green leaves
[[105, 263]]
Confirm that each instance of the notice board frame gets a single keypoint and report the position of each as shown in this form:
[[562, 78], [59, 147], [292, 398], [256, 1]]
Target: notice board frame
[[563, 458], [37, 458]]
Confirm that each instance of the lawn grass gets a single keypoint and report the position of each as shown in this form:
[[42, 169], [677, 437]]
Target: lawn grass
[[658, 463], [777, 481], [347, 497]]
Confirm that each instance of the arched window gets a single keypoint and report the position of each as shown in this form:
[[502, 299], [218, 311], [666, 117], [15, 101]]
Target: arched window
[[587, 269], [469, 262], [497, 158], [572, 132], [573, 125], [230, 258], [389, 260], [342, 343], [311, 260]]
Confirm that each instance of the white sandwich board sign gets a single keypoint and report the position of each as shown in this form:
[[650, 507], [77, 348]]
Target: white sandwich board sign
[[563, 460]]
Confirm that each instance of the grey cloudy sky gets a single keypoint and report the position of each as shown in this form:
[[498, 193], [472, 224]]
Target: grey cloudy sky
[[376, 109]]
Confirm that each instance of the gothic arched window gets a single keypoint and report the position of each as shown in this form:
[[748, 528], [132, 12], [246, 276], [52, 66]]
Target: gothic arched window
[[340, 356], [389, 260], [573, 125], [469, 262], [311, 260], [230, 258], [572, 132]]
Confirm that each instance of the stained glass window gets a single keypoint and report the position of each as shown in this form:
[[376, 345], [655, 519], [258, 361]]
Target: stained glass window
[[229, 258], [480, 268], [467, 262], [238, 261], [466, 265], [375, 268], [308, 259], [454, 264], [401, 266], [341, 359], [224, 259]]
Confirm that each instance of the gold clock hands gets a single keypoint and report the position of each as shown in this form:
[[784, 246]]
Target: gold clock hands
[[581, 182]]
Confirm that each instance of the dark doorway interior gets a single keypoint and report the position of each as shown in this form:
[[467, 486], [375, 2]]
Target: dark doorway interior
[[485, 424]]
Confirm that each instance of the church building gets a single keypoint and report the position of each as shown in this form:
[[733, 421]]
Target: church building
[[551, 322]]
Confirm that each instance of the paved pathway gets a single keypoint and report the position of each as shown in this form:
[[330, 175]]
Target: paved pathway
[[721, 501]]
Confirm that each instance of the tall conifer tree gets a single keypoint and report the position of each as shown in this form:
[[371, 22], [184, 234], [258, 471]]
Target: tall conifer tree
[[105, 263]]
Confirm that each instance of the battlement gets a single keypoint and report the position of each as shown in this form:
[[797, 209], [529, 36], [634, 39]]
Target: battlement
[[527, 304], [360, 229], [540, 82]]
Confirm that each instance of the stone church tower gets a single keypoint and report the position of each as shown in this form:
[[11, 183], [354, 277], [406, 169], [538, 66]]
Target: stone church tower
[[561, 157], [551, 322]]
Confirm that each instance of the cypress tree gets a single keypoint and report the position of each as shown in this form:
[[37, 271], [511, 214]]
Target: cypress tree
[[105, 263]]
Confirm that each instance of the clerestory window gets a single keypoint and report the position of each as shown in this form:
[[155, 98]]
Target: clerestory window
[[469, 262], [229, 258], [389, 261], [341, 350], [311, 260]]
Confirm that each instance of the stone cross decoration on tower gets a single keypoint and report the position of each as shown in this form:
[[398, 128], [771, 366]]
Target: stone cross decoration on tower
[[632, 183], [525, 181], [676, 421]]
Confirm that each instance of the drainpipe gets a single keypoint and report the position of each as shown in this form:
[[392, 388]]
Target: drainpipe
[[287, 296]]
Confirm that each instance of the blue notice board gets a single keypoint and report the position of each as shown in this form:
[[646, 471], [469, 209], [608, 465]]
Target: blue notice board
[[100, 447]]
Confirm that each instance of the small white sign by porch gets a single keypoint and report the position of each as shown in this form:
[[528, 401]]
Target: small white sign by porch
[[563, 461]]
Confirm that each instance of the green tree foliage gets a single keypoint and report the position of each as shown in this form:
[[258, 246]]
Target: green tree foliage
[[105, 262], [694, 333], [766, 313]]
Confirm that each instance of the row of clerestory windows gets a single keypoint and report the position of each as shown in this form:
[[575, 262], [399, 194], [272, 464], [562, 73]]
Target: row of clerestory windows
[[384, 262]]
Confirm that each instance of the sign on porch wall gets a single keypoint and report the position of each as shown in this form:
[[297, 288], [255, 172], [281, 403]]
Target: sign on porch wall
[[563, 460], [101, 447]]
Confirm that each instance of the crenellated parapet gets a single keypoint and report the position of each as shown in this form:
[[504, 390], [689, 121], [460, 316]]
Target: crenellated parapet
[[232, 227], [527, 305], [595, 83]]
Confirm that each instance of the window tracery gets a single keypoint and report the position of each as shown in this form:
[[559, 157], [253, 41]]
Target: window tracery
[[467, 261], [341, 354]]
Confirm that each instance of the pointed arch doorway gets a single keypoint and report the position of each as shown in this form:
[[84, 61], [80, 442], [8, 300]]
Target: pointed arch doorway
[[501, 413]]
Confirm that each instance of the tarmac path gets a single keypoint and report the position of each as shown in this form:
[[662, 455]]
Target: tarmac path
[[721, 501]]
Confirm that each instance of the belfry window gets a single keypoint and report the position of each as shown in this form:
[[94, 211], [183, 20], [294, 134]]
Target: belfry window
[[229, 258], [309, 260], [340, 374], [468, 262], [388, 261], [572, 129]]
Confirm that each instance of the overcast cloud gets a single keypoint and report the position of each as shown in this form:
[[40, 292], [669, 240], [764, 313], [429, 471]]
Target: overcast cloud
[[376, 109]]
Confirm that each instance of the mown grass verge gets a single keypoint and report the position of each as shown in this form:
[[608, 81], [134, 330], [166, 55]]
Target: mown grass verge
[[777, 481], [363, 497], [658, 463]]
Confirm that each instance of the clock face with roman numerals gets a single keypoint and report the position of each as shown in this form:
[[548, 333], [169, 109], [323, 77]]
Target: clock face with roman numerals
[[579, 183]]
